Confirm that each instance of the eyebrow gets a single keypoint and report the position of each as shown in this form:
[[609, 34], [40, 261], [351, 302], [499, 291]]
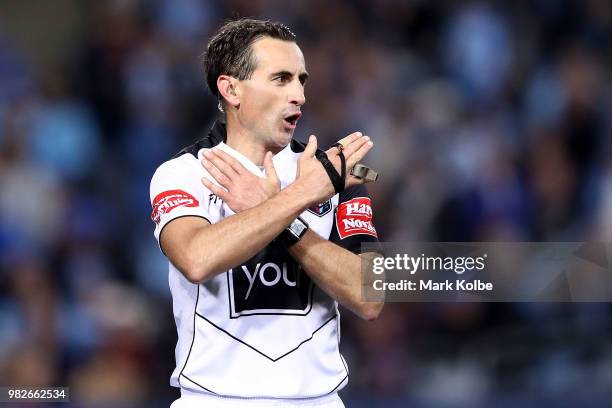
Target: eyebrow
[[303, 77]]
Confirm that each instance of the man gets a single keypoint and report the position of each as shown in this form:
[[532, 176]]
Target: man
[[261, 246]]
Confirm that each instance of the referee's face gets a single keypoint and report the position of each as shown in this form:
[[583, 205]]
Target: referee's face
[[271, 99]]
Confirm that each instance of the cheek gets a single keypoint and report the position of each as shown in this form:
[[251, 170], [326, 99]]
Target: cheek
[[256, 106], [262, 99], [261, 107]]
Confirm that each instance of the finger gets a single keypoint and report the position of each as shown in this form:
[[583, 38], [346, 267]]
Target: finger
[[355, 146], [218, 191], [216, 174], [348, 149], [216, 159], [311, 147], [359, 154], [269, 166], [346, 141], [230, 161]]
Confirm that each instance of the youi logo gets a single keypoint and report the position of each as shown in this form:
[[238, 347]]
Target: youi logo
[[270, 283]]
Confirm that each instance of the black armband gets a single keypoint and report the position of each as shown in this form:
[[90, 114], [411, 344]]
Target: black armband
[[293, 233]]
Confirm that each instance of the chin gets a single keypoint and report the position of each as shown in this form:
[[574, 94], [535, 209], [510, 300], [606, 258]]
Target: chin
[[284, 138]]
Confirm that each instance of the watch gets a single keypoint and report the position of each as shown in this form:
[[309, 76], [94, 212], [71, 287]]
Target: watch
[[293, 233]]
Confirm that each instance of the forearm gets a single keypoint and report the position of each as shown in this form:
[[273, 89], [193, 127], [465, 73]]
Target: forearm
[[217, 247], [336, 271]]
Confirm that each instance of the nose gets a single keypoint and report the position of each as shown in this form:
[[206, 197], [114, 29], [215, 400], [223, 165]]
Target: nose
[[296, 95]]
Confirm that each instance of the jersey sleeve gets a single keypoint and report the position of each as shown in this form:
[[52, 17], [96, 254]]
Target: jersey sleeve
[[176, 192], [353, 220]]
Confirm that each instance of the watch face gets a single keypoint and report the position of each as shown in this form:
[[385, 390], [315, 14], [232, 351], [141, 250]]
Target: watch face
[[298, 228]]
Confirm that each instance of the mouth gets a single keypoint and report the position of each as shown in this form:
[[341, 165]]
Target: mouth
[[291, 121]]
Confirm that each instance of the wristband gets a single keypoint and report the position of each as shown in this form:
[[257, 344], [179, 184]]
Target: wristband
[[293, 233]]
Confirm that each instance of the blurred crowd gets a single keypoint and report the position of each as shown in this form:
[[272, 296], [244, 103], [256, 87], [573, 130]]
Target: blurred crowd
[[491, 122]]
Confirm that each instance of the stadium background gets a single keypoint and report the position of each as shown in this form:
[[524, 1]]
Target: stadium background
[[491, 122]]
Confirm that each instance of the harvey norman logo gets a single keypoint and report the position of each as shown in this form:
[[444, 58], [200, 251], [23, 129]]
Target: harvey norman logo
[[355, 217], [359, 208]]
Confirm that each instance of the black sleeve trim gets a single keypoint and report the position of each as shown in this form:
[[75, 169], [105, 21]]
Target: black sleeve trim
[[165, 225]]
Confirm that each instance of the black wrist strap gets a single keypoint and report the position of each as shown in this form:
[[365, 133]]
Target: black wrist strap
[[342, 163], [337, 180]]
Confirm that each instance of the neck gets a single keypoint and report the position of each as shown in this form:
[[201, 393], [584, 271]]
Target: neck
[[247, 144]]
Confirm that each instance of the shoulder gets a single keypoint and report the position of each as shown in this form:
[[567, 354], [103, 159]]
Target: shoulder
[[182, 172], [179, 165], [207, 142], [186, 160]]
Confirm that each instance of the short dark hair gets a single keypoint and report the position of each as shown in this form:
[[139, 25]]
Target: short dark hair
[[229, 51]]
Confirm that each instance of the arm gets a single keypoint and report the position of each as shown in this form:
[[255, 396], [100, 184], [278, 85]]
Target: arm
[[337, 271], [201, 250], [333, 268]]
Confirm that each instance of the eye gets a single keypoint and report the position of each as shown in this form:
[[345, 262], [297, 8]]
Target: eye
[[283, 79]]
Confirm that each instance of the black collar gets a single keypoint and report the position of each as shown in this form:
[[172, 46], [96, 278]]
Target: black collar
[[218, 134]]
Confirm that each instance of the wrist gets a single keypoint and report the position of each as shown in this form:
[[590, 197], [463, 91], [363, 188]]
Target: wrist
[[293, 233], [299, 194]]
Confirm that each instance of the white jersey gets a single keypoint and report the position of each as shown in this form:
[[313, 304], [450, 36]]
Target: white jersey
[[262, 329]]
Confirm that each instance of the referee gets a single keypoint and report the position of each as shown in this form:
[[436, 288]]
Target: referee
[[263, 235]]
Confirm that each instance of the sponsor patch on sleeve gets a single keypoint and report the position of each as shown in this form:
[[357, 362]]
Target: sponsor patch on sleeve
[[354, 217], [169, 200]]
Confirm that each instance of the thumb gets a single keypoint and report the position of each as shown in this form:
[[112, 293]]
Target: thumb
[[311, 147], [269, 166]]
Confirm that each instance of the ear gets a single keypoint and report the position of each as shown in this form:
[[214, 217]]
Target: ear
[[227, 86]]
